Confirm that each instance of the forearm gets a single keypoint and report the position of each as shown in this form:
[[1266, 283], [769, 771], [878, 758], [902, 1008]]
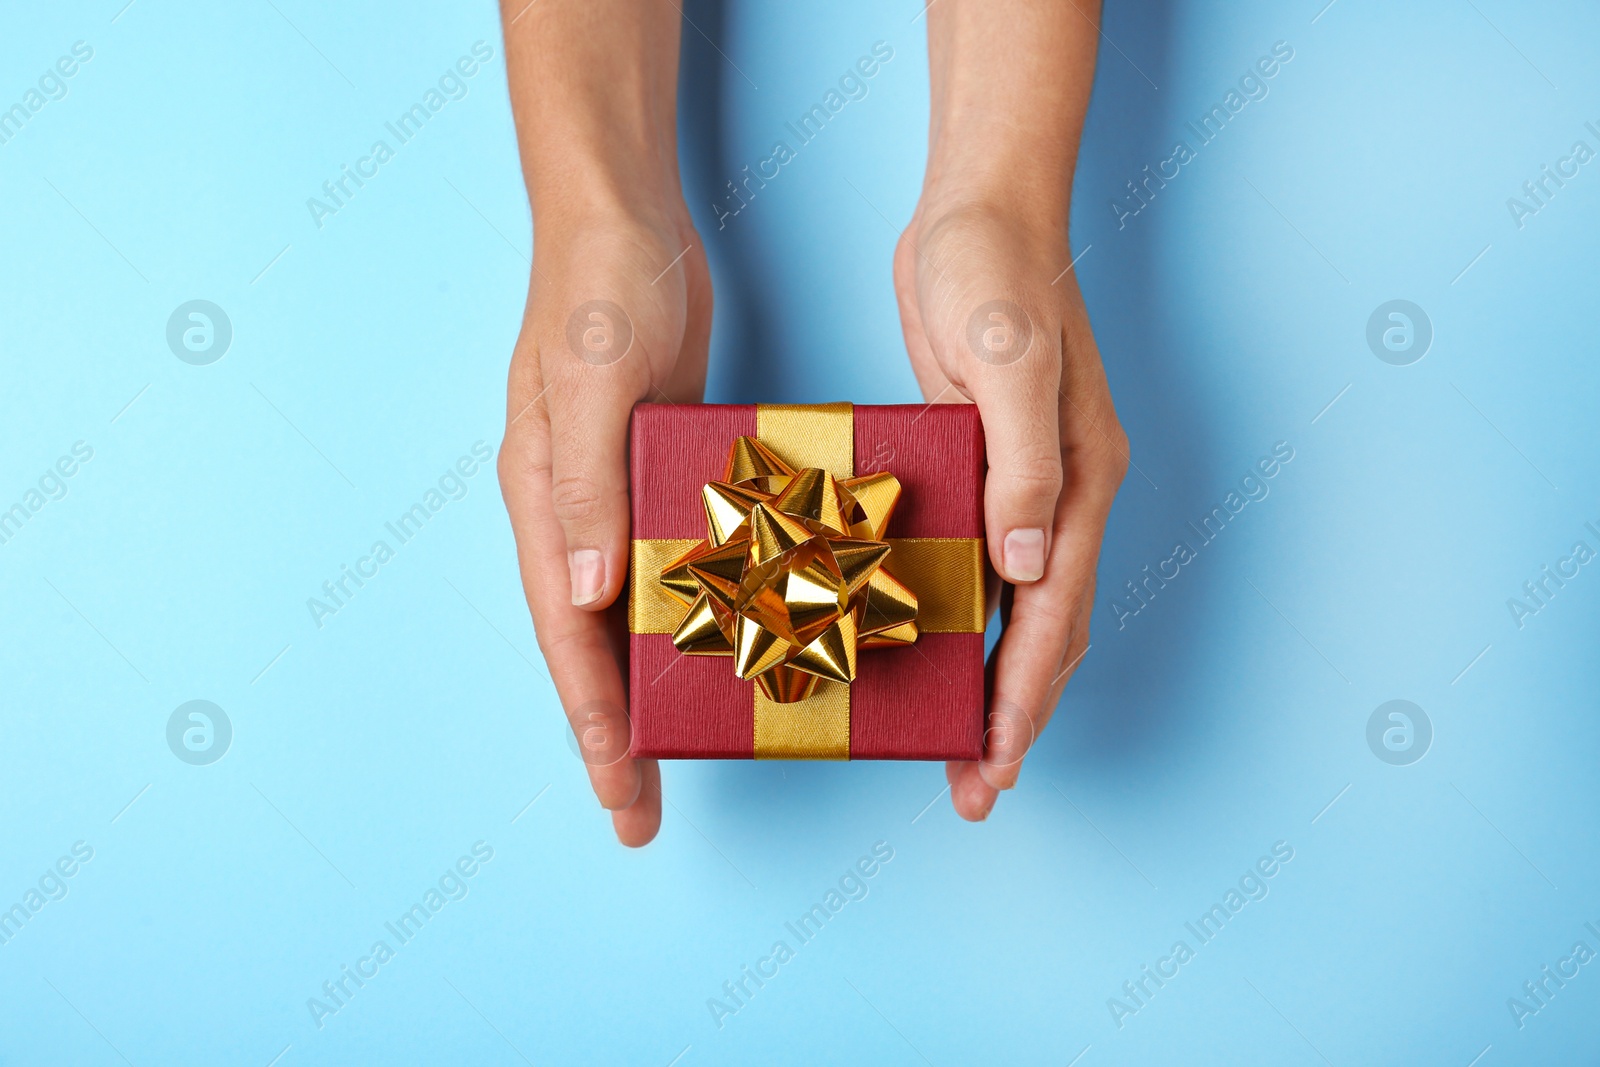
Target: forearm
[[1010, 84], [594, 94]]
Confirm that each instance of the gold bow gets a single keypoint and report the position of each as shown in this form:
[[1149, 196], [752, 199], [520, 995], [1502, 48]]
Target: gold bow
[[790, 580]]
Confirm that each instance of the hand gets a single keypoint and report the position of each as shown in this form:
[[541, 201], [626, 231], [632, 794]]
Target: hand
[[617, 313], [985, 322]]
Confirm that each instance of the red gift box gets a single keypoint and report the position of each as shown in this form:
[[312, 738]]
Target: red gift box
[[922, 701]]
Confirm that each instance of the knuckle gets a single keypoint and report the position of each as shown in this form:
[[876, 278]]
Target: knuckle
[[1112, 432], [1115, 461], [505, 469], [1035, 474], [1077, 644], [1046, 623], [575, 499], [1102, 456], [553, 640], [1072, 660], [1053, 618], [516, 470]]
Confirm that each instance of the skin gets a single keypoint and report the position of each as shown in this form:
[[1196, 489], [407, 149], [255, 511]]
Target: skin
[[593, 89]]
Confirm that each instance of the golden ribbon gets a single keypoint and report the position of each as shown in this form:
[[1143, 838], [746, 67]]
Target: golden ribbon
[[794, 578]]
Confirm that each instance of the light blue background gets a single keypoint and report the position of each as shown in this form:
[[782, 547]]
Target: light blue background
[[369, 754]]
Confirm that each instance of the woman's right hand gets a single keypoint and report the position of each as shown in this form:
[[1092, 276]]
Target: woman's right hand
[[618, 312]]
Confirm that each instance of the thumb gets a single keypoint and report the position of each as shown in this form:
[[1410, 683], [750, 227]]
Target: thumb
[[1013, 373], [588, 405]]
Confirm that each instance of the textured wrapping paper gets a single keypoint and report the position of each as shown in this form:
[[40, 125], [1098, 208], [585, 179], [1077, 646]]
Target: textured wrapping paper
[[921, 702]]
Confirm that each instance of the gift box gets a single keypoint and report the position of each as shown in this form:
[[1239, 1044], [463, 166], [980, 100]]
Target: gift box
[[806, 582]]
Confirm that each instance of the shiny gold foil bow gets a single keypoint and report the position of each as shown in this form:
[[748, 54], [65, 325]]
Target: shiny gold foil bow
[[791, 580]]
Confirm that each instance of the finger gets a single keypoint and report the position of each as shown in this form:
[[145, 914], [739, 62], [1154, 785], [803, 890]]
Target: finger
[[1030, 678], [1014, 373], [595, 372], [577, 646], [1047, 633], [637, 824], [970, 795]]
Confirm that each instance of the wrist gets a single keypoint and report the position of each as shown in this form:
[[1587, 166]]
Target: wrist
[[999, 175], [1028, 216], [630, 183], [564, 211]]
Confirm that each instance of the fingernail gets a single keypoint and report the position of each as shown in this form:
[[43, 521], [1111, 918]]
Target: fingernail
[[588, 575], [987, 808], [1023, 553], [999, 778]]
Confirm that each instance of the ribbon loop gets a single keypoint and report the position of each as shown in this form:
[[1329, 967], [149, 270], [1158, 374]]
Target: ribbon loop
[[791, 579]]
